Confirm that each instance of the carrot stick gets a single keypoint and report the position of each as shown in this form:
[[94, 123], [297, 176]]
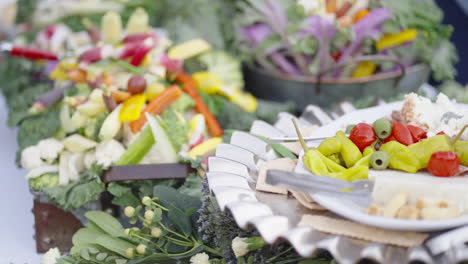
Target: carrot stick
[[156, 106], [189, 87]]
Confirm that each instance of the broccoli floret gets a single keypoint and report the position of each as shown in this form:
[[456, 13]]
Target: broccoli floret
[[234, 117], [47, 180]]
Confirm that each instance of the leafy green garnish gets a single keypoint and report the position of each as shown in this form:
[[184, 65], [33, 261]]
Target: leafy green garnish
[[76, 195], [47, 180]]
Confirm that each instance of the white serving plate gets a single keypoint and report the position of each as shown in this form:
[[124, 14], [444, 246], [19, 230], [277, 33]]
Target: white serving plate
[[355, 212]]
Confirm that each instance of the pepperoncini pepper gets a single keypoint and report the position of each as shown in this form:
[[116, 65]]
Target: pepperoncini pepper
[[369, 150], [352, 174], [349, 151], [314, 162], [330, 146], [425, 148], [401, 158], [461, 148], [131, 109], [332, 166]]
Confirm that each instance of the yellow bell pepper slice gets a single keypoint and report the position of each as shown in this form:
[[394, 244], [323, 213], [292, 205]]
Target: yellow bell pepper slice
[[391, 40], [364, 68], [131, 109], [208, 82], [205, 148], [245, 100]]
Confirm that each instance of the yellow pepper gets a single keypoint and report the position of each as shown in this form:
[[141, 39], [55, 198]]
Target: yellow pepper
[[368, 150], [337, 158], [391, 40], [208, 82], [332, 166], [461, 148], [349, 151], [424, 149], [205, 148], [352, 174], [314, 163], [131, 109], [245, 100], [401, 158], [363, 69], [330, 146], [364, 161]]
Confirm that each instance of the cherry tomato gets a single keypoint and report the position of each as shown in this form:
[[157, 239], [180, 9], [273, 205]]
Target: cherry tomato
[[390, 138], [441, 133], [444, 163], [402, 134], [362, 135], [136, 84], [417, 133]]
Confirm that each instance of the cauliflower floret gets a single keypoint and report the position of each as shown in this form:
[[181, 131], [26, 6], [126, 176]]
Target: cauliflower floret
[[31, 158], [108, 152], [36, 172], [89, 159], [50, 149]]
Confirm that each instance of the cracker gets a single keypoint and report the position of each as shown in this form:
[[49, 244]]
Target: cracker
[[305, 200], [277, 164], [354, 230]]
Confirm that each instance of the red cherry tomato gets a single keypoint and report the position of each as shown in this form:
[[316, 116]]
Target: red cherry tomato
[[417, 133], [390, 138], [444, 163], [402, 134], [362, 135], [441, 133]]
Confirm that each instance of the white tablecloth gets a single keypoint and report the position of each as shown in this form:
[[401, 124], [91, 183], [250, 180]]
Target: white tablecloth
[[17, 221]]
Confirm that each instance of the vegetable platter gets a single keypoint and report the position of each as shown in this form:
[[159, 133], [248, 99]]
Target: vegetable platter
[[114, 105], [256, 191]]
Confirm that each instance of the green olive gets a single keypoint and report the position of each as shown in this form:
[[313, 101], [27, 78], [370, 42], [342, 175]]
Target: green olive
[[379, 160], [349, 128], [382, 128]]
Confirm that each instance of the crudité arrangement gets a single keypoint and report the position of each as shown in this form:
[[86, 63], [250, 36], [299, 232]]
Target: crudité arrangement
[[120, 96], [424, 136], [328, 37]]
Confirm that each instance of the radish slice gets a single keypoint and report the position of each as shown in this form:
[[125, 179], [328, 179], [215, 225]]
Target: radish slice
[[139, 37], [197, 142], [141, 52], [129, 50], [96, 54]]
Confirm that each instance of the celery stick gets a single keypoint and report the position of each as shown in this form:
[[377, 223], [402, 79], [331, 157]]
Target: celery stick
[[138, 148]]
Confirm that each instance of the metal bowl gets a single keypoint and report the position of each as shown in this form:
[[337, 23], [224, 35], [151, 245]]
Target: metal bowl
[[329, 91]]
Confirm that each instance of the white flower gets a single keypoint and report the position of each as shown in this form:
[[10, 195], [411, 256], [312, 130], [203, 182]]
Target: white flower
[[31, 158], [149, 215], [51, 256], [200, 258], [239, 246], [50, 149], [108, 152]]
